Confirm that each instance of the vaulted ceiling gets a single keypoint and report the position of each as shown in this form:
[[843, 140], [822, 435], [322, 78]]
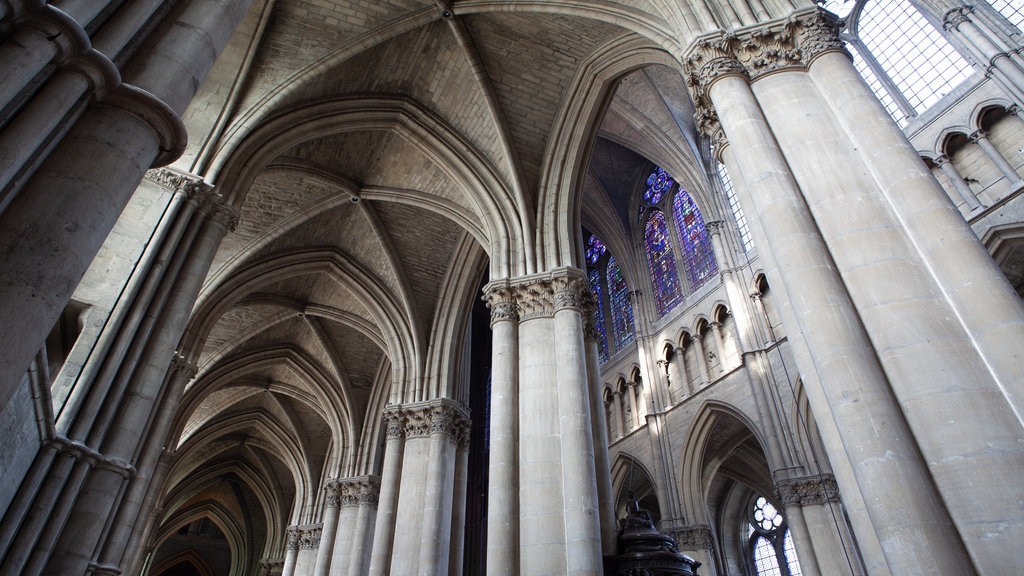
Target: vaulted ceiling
[[383, 156]]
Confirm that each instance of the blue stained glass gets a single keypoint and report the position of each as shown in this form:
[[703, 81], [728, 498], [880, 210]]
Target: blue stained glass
[[658, 183], [602, 343], [622, 309], [698, 254], [667, 290], [595, 249]]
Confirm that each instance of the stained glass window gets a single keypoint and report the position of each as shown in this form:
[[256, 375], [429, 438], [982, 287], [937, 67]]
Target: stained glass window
[[658, 183], [595, 285], [771, 541], [622, 310], [667, 290], [698, 255], [595, 249]]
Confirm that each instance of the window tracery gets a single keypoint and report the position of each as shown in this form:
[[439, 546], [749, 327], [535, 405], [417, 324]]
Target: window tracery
[[772, 552]]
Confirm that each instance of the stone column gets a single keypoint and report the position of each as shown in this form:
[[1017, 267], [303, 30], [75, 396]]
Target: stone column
[[559, 520], [502, 481], [579, 485], [291, 551], [619, 422], [367, 499], [634, 410], [963, 311], [309, 543], [79, 189], [961, 186], [888, 468], [391, 474], [329, 530], [815, 515], [130, 414], [697, 542], [457, 544], [702, 361], [991, 51], [980, 137], [599, 425], [447, 423], [342, 543], [716, 335]]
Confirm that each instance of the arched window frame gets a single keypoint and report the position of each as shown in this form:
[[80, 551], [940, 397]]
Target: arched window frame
[[778, 536], [613, 337], [663, 204]]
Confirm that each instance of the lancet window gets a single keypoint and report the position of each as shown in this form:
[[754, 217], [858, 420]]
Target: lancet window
[[669, 241], [612, 294]]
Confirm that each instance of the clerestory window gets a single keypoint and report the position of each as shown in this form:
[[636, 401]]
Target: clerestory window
[[612, 295], [905, 60]]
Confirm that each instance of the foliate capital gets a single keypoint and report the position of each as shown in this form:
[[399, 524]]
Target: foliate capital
[[189, 185], [181, 366], [818, 34], [955, 17], [696, 537], [501, 300], [808, 490], [421, 419]]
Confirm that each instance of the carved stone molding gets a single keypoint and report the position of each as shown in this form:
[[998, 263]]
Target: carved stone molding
[[191, 186], [394, 423], [309, 537], [293, 534], [808, 490], [819, 34], [714, 226], [358, 490], [537, 296], [422, 419], [332, 494], [501, 302], [271, 567], [696, 537]]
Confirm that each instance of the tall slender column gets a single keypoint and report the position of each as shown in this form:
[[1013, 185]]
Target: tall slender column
[[447, 423], [957, 357], [961, 186], [367, 499], [886, 462], [457, 542], [599, 424], [384, 528], [291, 551], [579, 484], [620, 429], [980, 137], [820, 540], [502, 481], [325, 553], [716, 335], [697, 542], [136, 415], [991, 52], [702, 361]]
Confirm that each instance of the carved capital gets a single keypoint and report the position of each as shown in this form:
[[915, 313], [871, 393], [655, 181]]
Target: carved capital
[[955, 17], [180, 366], [394, 422], [501, 302], [770, 49], [819, 34], [569, 292], [714, 226], [978, 136], [271, 567], [292, 542], [808, 490], [697, 537], [332, 494], [535, 300], [192, 187], [309, 537], [212, 206]]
